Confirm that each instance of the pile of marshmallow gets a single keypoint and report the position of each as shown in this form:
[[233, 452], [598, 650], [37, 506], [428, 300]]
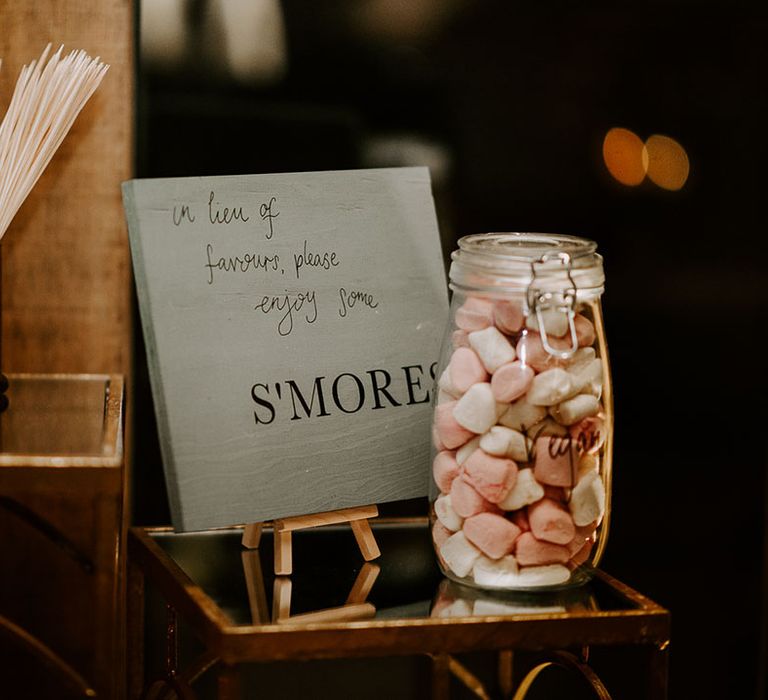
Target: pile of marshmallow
[[518, 434]]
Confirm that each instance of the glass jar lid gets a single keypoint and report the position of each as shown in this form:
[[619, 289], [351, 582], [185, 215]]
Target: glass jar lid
[[514, 262]]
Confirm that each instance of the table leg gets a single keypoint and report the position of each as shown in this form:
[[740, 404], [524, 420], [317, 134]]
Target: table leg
[[228, 682], [172, 641], [441, 677], [658, 672], [135, 631], [505, 673]]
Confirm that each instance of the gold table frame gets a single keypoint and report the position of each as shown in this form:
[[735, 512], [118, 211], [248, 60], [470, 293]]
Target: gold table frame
[[229, 645], [62, 498]]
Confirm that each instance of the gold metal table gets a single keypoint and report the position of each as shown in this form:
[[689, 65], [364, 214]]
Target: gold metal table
[[61, 534], [336, 606]]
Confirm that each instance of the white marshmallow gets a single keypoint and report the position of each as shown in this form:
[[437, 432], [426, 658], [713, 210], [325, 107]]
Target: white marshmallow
[[521, 415], [587, 502], [525, 491], [476, 410], [446, 385], [463, 453], [492, 347], [500, 441], [546, 428], [573, 410], [549, 575], [498, 573], [555, 322], [447, 515], [550, 387], [580, 359], [589, 378], [459, 554]]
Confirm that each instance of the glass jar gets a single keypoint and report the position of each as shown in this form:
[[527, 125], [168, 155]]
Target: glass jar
[[523, 417]]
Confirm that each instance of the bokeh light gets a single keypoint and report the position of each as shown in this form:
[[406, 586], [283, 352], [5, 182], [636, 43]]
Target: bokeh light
[[667, 162], [623, 155]]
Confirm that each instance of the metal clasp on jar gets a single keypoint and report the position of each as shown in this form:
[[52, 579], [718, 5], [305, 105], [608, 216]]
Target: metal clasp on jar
[[563, 301]]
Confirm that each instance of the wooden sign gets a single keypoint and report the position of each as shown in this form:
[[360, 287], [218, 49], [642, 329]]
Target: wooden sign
[[292, 325]]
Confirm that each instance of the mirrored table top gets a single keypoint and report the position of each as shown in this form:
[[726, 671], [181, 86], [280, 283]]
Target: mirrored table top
[[403, 588], [59, 420]]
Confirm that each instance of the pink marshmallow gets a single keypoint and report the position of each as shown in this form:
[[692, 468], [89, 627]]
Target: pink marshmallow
[[436, 441], [508, 316], [520, 518], [474, 314], [466, 369], [492, 477], [557, 461], [511, 381], [551, 522], [445, 469], [556, 493], [589, 433], [583, 534], [449, 432], [582, 555], [492, 534], [466, 501], [585, 331], [532, 552], [460, 339], [530, 350], [440, 533]]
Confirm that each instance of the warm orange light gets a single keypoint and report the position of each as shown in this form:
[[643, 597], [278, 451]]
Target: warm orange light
[[667, 162], [623, 156]]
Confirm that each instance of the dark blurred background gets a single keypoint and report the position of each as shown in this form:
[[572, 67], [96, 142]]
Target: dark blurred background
[[511, 105]]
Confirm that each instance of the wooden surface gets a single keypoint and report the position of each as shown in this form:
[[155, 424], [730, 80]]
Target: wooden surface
[[252, 536], [66, 274], [332, 517], [326, 328], [60, 517], [254, 581], [365, 539]]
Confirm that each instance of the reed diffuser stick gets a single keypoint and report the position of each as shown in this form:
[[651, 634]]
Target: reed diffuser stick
[[49, 94]]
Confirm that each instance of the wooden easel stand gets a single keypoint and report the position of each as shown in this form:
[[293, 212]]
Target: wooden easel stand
[[283, 527]]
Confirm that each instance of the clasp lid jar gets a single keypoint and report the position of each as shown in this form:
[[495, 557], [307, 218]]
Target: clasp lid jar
[[522, 434]]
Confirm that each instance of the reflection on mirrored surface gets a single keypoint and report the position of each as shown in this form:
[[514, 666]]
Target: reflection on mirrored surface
[[329, 576], [355, 607], [455, 600], [60, 415]]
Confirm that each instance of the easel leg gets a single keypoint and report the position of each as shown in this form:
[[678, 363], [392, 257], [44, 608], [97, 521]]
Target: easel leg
[[252, 535], [254, 582], [281, 598], [283, 553], [363, 584], [365, 539]]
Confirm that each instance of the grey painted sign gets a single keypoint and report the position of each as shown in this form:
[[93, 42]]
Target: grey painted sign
[[292, 323]]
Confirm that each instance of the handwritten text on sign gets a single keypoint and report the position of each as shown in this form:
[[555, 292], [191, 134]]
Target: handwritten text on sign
[[292, 325], [283, 306]]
